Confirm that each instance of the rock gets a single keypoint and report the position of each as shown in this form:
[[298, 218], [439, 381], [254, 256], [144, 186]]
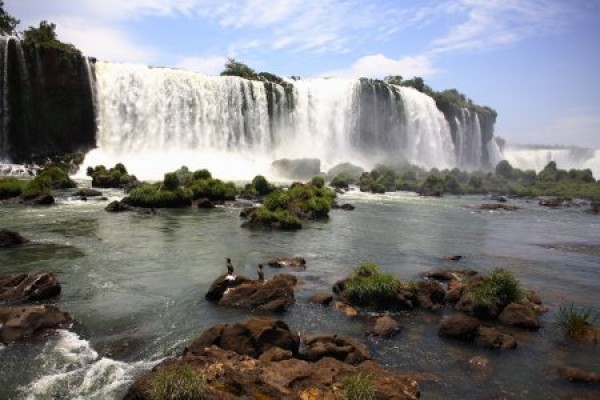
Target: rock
[[574, 374], [253, 338], [453, 258], [496, 206], [204, 203], [385, 326], [42, 200], [339, 347], [533, 297], [21, 288], [221, 284], [322, 298], [276, 354], [134, 184], [230, 376], [293, 262], [460, 327], [430, 295], [117, 206], [520, 315], [587, 334], [478, 364], [552, 202], [245, 213], [274, 295], [86, 192], [11, 238], [594, 207], [346, 309], [447, 274], [23, 322], [499, 199], [301, 169], [492, 338], [345, 207]]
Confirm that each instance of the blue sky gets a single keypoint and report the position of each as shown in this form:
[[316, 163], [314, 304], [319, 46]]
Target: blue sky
[[537, 62]]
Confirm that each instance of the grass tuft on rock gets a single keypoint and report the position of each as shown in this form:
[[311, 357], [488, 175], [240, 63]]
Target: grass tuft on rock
[[358, 387], [178, 382], [574, 321], [498, 288], [369, 287]]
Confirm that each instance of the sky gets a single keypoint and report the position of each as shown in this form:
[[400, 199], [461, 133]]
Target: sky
[[537, 62]]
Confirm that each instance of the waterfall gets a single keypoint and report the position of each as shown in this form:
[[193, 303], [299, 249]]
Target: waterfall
[[90, 76], [157, 119], [565, 158], [468, 140], [4, 109]]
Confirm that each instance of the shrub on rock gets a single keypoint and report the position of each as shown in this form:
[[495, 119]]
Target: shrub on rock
[[114, 177]]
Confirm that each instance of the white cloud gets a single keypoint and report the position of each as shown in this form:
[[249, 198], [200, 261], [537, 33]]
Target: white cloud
[[492, 23], [104, 42], [378, 66], [204, 65]]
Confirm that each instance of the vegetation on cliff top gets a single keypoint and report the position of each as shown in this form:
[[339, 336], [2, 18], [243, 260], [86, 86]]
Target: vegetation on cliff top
[[505, 180], [8, 23]]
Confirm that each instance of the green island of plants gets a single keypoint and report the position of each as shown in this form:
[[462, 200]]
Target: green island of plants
[[369, 287], [51, 177], [115, 177], [284, 209], [359, 386]]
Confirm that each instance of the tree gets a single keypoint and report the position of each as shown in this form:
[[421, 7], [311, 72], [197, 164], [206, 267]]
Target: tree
[[45, 36], [505, 170], [393, 79], [8, 23], [236, 68]]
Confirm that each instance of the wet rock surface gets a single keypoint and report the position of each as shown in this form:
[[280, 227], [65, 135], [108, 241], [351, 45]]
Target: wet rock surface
[[10, 238], [19, 288], [25, 321]]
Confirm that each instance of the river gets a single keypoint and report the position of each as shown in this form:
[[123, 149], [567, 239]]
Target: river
[[135, 283]]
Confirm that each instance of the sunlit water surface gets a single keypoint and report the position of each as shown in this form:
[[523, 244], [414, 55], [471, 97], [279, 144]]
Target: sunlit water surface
[[135, 283]]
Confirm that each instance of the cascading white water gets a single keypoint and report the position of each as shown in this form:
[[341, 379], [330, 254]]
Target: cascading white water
[[429, 140], [537, 158], [4, 109], [90, 76], [468, 140], [155, 119]]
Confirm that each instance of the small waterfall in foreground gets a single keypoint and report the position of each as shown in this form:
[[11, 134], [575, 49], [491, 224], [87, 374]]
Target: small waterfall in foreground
[[157, 119], [566, 158]]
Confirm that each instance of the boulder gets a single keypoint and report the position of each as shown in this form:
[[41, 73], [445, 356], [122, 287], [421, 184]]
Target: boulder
[[41, 200], [344, 207], [86, 192], [23, 322], [551, 202], [346, 309], [574, 374], [492, 338], [230, 376], [20, 288], [460, 327], [496, 207], [10, 238], [453, 258], [300, 169], [520, 315], [447, 274], [430, 295], [204, 203], [274, 295], [222, 283], [117, 206], [385, 326], [478, 364], [292, 262], [253, 338], [322, 298], [339, 347]]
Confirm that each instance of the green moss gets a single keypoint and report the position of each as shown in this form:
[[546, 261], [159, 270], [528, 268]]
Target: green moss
[[155, 196], [114, 177], [177, 382], [10, 187], [359, 387], [213, 189]]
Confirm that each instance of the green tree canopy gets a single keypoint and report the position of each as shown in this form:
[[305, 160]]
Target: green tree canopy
[[45, 35], [236, 68], [8, 23]]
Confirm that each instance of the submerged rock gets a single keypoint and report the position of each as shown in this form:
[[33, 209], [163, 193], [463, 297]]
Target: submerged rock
[[385, 326], [520, 315], [293, 262], [23, 322], [322, 298], [117, 206], [459, 326], [492, 338], [496, 206], [86, 192], [574, 374], [10, 238]]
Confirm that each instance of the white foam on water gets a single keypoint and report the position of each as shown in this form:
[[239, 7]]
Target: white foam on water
[[74, 370]]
